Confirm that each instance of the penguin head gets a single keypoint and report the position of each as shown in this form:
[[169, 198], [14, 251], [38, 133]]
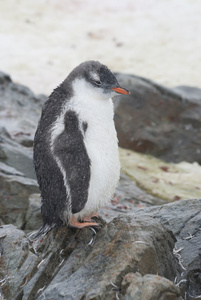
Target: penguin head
[[98, 79]]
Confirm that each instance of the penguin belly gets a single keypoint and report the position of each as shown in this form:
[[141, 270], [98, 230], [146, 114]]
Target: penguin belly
[[105, 167], [101, 144]]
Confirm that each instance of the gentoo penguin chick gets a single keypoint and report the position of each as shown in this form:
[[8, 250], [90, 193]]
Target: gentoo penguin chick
[[76, 148]]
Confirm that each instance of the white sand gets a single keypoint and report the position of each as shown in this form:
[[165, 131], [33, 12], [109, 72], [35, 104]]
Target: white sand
[[42, 40]]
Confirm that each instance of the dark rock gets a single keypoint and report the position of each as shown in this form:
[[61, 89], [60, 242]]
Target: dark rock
[[183, 218], [18, 264], [159, 121], [14, 195], [4, 79], [15, 155], [98, 267], [19, 108], [89, 270]]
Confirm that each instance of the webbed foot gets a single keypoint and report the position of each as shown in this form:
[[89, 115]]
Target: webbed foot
[[89, 218], [87, 223]]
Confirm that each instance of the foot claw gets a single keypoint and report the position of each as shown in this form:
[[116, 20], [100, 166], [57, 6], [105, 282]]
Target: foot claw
[[90, 217]]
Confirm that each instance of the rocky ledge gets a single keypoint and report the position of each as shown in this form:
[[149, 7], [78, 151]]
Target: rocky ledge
[[146, 249], [152, 253]]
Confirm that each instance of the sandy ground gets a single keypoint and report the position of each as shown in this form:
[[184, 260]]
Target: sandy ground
[[167, 181], [42, 40]]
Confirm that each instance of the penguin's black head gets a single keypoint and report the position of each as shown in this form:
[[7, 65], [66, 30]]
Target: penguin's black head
[[99, 77]]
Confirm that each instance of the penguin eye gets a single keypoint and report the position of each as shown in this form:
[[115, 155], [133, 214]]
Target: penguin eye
[[95, 78], [97, 82]]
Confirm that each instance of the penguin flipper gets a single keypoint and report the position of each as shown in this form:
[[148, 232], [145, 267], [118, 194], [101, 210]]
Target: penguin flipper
[[73, 161]]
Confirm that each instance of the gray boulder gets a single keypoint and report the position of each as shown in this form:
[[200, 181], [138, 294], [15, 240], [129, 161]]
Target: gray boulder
[[75, 264], [132, 254], [16, 155], [14, 195], [17, 262], [19, 109], [160, 121]]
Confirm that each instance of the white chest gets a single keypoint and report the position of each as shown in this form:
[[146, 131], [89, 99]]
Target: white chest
[[102, 147]]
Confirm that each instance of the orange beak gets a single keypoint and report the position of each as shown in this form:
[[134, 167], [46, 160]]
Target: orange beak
[[120, 90]]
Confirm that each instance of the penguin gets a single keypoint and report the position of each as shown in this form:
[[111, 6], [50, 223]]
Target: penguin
[[75, 150]]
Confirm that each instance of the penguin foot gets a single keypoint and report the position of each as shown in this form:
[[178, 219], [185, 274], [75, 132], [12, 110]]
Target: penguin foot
[[89, 218], [76, 224]]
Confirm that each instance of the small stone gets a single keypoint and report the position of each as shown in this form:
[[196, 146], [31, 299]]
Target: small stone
[[138, 287]]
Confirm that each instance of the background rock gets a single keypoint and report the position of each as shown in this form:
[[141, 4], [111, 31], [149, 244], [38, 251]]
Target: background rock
[[15, 155], [14, 194], [159, 121], [19, 108], [19, 111]]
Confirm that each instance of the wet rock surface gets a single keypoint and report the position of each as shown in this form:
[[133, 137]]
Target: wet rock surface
[[150, 251], [159, 121], [16, 182], [183, 218], [19, 109], [156, 249], [91, 266]]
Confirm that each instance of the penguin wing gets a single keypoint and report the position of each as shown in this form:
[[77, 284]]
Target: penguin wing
[[73, 161]]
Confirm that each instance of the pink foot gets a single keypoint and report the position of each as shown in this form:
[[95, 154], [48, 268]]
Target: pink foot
[[76, 224]]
